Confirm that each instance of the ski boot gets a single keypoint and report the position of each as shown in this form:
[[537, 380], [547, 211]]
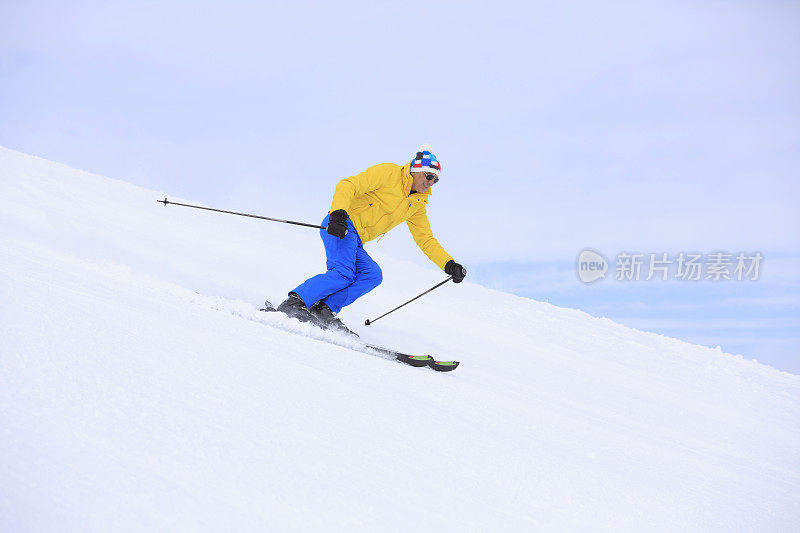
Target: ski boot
[[294, 307], [323, 315]]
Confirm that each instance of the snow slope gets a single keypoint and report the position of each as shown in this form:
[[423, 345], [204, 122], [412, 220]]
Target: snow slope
[[141, 389]]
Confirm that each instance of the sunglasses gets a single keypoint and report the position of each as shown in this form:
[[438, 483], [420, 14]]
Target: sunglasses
[[432, 177]]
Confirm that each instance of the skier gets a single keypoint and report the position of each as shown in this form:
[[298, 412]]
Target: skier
[[364, 207]]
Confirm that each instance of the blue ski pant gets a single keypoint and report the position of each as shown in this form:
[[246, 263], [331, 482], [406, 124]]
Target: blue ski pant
[[352, 273]]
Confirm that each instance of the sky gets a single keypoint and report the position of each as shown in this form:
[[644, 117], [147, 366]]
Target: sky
[[660, 127]]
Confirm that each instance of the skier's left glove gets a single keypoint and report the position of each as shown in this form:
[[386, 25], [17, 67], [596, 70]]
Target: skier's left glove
[[457, 271]]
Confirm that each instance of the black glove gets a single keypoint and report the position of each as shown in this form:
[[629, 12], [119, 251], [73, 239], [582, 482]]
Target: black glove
[[337, 223], [457, 271]]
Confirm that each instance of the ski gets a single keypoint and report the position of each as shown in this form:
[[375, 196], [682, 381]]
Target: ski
[[417, 361]]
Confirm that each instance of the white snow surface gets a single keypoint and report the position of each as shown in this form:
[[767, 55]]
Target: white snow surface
[[141, 389]]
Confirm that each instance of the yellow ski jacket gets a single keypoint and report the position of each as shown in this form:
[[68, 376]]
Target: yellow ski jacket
[[380, 198]]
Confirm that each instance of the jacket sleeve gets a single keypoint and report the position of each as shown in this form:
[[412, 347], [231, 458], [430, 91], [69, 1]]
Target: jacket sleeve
[[373, 178], [420, 229]]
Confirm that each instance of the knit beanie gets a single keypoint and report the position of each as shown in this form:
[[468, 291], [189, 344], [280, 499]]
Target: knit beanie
[[425, 161]]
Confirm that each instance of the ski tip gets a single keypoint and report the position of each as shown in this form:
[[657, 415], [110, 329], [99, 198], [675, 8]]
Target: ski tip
[[268, 307], [427, 360], [443, 366], [415, 360]]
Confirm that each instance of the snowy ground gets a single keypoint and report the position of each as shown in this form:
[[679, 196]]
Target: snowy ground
[[141, 389]]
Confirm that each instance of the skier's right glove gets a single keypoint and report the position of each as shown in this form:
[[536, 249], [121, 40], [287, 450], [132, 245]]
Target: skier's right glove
[[457, 271], [337, 223]]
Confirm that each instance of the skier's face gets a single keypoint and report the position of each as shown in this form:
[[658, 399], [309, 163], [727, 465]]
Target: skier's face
[[421, 183]]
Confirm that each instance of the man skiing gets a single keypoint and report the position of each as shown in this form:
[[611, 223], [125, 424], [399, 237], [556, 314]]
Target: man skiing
[[364, 207]]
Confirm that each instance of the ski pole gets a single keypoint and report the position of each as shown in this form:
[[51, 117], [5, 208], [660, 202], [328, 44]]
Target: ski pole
[[367, 322], [165, 202]]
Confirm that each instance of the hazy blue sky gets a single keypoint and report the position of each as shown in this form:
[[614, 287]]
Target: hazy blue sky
[[651, 126]]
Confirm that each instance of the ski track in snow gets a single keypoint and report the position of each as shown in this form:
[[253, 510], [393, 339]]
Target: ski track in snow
[[141, 388]]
